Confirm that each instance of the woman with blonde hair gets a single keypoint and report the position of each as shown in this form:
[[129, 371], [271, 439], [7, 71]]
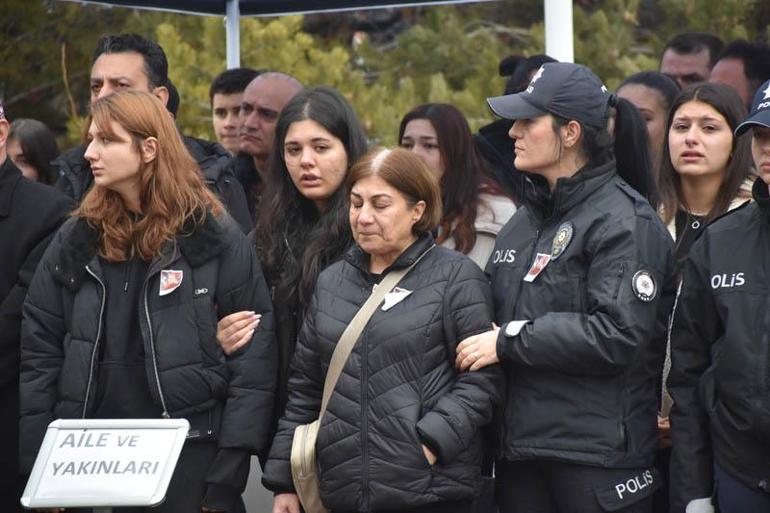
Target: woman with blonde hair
[[120, 319]]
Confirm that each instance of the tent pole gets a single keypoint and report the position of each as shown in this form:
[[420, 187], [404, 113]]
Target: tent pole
[[558, 30], [233, 34]]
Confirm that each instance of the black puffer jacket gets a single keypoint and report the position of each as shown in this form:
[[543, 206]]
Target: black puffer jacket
[[75, 177], [227, 398], [399, 388], [720, 356], [582, 370]]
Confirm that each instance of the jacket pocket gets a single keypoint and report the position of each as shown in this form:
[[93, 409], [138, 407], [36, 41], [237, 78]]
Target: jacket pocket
[[421, 454], [206, 323]]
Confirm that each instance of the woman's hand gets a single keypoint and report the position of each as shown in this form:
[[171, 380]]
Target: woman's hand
[[428, 456], [236, 330], [478, 351], [664, 433], [286, 503]]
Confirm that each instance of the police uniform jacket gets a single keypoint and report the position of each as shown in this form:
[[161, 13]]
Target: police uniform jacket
[[228, 399], [399, 388], [578, 342], [720, 352]]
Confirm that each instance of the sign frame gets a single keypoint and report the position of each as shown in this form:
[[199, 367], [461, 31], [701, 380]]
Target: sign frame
[[29, 499]]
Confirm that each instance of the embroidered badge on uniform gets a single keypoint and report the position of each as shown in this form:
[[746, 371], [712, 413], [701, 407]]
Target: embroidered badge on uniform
[[541, 261], [170, 280], [644, 286], [562, 239]]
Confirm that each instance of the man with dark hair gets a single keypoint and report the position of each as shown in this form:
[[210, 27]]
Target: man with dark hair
[[689, 57], [30, 213], [225, 95], [111, 51], [743, 66], [130, 61]]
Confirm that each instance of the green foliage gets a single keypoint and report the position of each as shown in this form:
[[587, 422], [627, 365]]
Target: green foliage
[[448, 54], [406, 76], [34, 35], [606, 41], [729, 19]]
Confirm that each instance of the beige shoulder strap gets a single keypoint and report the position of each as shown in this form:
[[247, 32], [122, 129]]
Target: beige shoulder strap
[[353, 331]]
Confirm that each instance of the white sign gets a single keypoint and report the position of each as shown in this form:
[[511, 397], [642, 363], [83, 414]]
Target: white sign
[[105, 462]]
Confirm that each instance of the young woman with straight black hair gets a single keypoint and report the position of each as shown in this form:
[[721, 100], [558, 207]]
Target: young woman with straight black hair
[[32, 146], [581, 280], [303, 222]]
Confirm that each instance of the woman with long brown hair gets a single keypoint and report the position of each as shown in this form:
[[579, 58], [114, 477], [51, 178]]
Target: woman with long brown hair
[[475, 206], [120, 319]]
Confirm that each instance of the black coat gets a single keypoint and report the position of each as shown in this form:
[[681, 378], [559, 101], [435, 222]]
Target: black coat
[[720, 356], [30, 213], [229, 399], [582, 371], [399, 388], [75, 177]]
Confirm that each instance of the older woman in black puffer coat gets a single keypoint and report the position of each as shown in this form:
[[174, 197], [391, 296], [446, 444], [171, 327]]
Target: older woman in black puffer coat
[[402, 428]]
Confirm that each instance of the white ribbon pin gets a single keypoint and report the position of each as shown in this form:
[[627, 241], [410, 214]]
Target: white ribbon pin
[[393, 298]]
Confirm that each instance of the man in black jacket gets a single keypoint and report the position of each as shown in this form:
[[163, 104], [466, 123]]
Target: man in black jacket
[[129, 61], [720, 375], [30, 213]]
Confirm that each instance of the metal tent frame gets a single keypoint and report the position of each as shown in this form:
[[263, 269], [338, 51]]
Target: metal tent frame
[[558, 16]]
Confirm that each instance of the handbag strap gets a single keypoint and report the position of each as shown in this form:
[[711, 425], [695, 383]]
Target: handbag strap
[[353, 330]]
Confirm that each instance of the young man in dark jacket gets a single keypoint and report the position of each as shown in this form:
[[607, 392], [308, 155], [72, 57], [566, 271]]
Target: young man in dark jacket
[[720, 348], [129, 61]]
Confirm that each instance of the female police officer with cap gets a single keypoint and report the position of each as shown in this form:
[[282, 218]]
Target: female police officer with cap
[[720, 376], [581, 278]]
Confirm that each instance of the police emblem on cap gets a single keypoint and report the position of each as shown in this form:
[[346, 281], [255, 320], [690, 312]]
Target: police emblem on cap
[[644, 286], [562, 239]]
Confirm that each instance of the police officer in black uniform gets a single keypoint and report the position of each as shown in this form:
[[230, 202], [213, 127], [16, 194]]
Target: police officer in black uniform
[[582, 280], [720, 353]]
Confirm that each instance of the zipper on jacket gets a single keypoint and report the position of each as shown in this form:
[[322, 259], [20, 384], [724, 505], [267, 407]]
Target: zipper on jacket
[[98, 337], [620, 281], [165, 414]]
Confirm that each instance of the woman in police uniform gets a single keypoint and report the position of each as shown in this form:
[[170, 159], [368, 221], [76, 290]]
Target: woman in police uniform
[[581, 280]]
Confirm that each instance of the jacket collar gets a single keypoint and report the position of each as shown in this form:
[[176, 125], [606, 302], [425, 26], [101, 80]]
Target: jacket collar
[[360, 259], [10, 176], [574, 190], [197, 243]]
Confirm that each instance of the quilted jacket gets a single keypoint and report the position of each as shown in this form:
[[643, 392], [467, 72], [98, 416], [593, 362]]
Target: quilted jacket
[[399, 388]]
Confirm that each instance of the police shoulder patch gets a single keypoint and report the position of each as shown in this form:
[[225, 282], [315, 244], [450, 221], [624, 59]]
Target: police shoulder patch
[[643, 285]]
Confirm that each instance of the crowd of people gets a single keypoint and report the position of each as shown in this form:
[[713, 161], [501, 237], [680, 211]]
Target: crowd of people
[[572, 306]]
